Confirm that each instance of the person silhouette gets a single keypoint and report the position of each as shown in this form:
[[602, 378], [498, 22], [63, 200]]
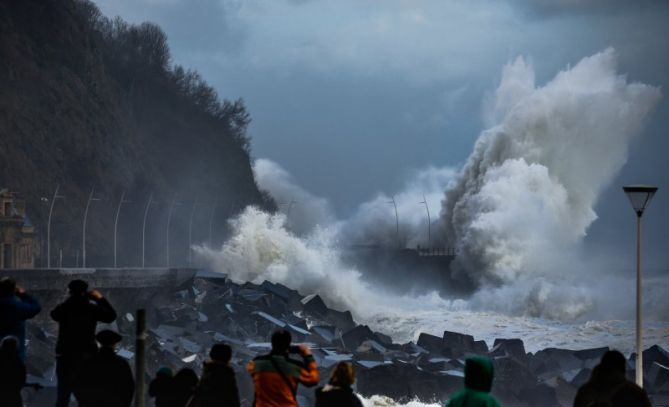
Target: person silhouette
[[12, 373], [338, 391], [161, 387], [184, 385], [608, 386], [15, 307], [77, 319], [276, 376], [105, 380], [218, 386], [479, 374]]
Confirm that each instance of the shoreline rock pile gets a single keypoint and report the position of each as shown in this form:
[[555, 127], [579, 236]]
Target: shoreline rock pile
[[184, 323]]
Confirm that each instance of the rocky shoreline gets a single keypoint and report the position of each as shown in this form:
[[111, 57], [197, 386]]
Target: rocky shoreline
[[183, 324]]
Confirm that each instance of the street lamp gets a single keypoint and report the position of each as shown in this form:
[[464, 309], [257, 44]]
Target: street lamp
[[146, 212], [429, 222], [211, 221], [167, 232], [397, 221], [48, 227], [118, 212], [83, 239], [639, 196], [190, 232]]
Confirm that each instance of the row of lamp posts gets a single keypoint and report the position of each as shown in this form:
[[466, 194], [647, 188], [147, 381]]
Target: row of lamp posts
[[122, 201]]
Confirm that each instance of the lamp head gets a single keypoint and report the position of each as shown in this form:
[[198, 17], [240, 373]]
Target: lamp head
[[640, 196]]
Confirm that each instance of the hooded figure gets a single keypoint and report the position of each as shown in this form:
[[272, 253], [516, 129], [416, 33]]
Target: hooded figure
[[478, 382], [609, 387]]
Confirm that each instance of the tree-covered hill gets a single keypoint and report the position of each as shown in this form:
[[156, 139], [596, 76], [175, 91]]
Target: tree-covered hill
[[87, 101]]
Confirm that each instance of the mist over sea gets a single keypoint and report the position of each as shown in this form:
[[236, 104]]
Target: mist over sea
[[557, 146]]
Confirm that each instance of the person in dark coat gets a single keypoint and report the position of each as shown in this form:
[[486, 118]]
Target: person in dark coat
[[184, 385], [161, 387], [15, 307], [12, 373], [608, 386], [77, 319], [218, 386], [106, 379], [338, 391]]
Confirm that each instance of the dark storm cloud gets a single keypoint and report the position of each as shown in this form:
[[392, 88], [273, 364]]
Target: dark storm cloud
[[333, 86], [551, 8]]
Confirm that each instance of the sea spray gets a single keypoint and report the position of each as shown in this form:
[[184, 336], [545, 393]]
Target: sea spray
[[525, 198], [517, 213]]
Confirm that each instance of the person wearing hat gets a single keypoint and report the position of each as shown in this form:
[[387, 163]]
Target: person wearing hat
[[77, 319], [106, 379], [218, 386]]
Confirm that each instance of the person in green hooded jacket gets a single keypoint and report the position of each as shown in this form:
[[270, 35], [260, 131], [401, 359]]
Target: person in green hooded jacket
[[478, 382]]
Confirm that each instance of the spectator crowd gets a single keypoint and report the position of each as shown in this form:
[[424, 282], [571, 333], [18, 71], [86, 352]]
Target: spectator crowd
[[88, 368]]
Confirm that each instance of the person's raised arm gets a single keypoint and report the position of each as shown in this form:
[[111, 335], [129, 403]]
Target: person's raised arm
[[104, 310], [28, 306], [309, 375]]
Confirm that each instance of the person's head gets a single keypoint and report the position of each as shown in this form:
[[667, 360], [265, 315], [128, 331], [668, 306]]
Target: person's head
[[9, 344], [186, 378], [281, 341], [478, 373], [343, 375], [7, 286], [220, 352], [613, 361], [108, 338], [77, 287], [164, 372]]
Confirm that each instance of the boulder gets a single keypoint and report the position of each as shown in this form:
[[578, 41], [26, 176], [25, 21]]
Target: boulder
[[511, 347], [539, 395], [431, 343], [657, 376], [355, 337], [592, 353], [313, 305], [564, 358], [512, 374], [341, 319], [456, 344]]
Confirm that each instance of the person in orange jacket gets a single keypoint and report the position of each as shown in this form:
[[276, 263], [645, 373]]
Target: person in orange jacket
[[276, 376]]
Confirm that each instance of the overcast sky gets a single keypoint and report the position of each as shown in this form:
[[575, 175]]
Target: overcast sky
[[350, 96]]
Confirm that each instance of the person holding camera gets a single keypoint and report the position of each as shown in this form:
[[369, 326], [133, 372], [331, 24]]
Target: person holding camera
[[15, 307], [77, 319], [276, 375]]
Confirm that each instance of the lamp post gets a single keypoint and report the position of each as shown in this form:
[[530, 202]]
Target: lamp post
[[118, 211], [190, 232], [146, 212], [167, 231], [397, 222], [429, 223], [48, 227], [639, 196], [211, 221], [83, 238]]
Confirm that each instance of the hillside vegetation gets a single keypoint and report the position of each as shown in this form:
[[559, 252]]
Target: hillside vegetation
[[87, 101]]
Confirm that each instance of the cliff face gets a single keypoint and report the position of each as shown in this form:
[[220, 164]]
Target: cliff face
[[90, 102]]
